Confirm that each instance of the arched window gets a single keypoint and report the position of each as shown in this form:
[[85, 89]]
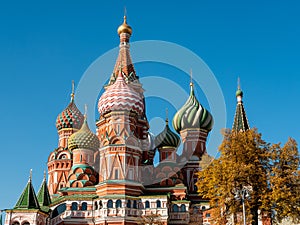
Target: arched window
[[147, 204], [96, 205], [118, 204], [203, 208], [109, 204], [207, 215], [57, 211], [26, 223], [84, 206], [134, 204], [74, 206], [100, 204], [158, 204], [15, 223], [182, 208], [175, 208], [128, 205]]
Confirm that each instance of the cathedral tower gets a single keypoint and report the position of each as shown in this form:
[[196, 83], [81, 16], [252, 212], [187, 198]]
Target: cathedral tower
[[193, 122], [60, 160], [122, 127]]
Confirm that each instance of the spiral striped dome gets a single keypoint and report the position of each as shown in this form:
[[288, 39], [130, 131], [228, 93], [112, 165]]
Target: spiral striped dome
[[71, 117], [84, 138], [120, 97], [167, 138], [192, 115]]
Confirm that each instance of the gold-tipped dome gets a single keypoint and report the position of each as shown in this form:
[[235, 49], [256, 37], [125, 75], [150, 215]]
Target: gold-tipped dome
[[124, 28]]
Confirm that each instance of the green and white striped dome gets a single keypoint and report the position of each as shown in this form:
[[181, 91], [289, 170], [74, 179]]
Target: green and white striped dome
[[192, 115], [167, 138]]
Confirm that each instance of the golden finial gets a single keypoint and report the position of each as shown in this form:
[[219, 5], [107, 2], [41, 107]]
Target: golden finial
[[125, 28], [73, 90], [167, 120], [191, 77]]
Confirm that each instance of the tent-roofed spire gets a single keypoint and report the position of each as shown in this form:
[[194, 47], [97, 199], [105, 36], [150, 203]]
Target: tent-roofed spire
[[43, 195], [240, 122], [28, 199], [124, 57]]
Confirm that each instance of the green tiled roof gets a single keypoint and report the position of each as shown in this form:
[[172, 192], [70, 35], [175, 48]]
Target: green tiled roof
[[43, 195], [28, 199], [240, 119]]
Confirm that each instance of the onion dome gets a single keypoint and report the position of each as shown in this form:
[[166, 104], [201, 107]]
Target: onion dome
[[124, 28], [120, 97], [167, 138], [192, 115], [82, 176], [84, 138], [71, 117]]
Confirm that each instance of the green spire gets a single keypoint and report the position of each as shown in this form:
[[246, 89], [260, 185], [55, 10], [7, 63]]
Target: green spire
[[28, 199], [43, 195], [240, 122]]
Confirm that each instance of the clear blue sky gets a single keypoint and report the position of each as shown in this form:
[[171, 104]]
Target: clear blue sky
[[43, 46]]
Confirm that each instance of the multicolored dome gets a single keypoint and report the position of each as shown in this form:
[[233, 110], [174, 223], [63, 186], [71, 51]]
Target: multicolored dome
[[82, 176], [84, 138], [192, 115], [167, 138], [71, 117], [120, 97]]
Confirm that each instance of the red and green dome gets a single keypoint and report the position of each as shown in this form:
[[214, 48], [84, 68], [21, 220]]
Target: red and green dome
[[82, 176], [84, 138], [71, 117], [192, 115]]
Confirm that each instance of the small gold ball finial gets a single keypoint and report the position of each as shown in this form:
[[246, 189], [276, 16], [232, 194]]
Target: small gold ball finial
[[125, 28]]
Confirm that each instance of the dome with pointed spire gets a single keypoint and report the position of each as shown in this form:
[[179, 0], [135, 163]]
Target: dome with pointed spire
[[124, 28], [70, 117], [84, 138], [120, 97], [192, 115], [167, 138]]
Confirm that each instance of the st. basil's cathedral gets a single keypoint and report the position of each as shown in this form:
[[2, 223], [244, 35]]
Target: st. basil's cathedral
[[109, 177]]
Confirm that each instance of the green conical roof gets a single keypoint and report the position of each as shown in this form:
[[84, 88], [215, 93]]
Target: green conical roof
[[240, 122], [28, 199], [43, 195]]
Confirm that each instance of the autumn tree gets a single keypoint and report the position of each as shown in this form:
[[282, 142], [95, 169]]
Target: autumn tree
[[243, 162], [285, 182]]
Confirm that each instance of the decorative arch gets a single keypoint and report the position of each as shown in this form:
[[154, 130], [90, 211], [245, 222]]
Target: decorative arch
[[109, 204], [118, 204], [147, 204], [15, 223], [74, 206], [84, 206]]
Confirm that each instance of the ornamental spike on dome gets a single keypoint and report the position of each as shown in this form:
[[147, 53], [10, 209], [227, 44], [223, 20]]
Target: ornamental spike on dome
[[239, 93], [124, 28], [192, 115], [70, 117], [84, 138]]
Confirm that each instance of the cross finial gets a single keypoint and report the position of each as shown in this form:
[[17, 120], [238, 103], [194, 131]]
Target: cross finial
[[167, 120], [191, 77], [85, 110], [30, 175], [239, 84], [73, 90]]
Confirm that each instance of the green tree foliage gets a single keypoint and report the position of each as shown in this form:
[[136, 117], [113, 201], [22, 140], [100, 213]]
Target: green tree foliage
[[246, 160], [285, 181]]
